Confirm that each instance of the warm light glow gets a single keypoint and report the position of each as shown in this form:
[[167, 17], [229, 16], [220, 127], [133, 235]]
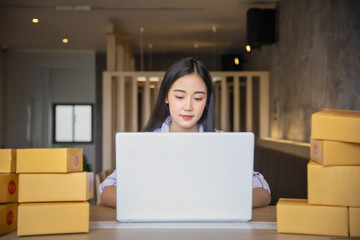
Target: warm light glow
[[35, 20], [248, 48], [236, 61], [65, 40]]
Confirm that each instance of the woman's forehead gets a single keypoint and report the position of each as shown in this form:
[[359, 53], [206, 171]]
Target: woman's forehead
[[189, 81]]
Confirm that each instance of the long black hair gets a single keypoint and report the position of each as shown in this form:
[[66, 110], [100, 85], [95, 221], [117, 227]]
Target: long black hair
[[177, 70]]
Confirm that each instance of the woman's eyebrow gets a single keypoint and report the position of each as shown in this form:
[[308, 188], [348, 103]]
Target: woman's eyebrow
[[183, 91], [179, 90]]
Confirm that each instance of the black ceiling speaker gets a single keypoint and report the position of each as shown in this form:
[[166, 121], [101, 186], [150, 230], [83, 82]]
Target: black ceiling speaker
[[260, 27]]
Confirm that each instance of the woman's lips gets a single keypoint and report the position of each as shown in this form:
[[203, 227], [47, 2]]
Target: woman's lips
[[187, 117]]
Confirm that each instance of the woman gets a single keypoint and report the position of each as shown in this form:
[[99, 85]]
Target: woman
[[185, 103]]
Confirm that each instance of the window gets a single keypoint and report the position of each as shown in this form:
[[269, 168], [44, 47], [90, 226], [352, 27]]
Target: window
[[72, 123]]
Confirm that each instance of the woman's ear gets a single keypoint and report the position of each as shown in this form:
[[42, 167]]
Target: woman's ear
[[166, 101]]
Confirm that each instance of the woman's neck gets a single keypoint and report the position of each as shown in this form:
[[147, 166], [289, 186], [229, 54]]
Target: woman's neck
[[174, 128]]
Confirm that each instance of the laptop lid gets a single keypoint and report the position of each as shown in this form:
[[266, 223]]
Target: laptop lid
[[184, 176]]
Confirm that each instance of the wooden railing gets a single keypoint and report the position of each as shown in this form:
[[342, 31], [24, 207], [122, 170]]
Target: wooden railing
[[128, 98]]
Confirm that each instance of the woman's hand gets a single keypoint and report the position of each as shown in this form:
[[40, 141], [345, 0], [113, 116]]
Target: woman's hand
[[261, 198], [108, 196]]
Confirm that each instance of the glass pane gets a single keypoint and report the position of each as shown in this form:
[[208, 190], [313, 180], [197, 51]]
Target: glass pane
[[63, 123], [83, 123]]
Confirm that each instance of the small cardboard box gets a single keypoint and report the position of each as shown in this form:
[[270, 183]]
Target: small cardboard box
[[49, 160], [333, 185], [8, 187], [7, 160], [336, 125], [53, 218], [334, 153], [354, 220], [57, 187], [8, 217], [297, 216]]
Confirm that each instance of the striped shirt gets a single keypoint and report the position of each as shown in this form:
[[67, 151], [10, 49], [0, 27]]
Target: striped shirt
[[258, 179]]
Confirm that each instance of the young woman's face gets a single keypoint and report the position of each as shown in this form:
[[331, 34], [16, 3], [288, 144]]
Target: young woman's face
[[187, 100]]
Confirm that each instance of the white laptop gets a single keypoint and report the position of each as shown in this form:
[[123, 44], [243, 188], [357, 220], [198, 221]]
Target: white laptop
[[184, 176]]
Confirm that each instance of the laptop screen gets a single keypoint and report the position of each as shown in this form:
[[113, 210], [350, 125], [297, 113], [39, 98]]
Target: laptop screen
[[184, 176]]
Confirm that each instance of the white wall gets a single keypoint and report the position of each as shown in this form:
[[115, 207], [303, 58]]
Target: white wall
[[37, 79]]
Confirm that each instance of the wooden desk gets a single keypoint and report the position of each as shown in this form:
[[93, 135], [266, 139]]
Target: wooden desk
[[103, 225]]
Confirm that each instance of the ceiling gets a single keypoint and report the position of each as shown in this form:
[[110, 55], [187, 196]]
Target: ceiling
[[170, 26]]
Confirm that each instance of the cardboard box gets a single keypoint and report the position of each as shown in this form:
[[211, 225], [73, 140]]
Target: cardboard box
[[8, 187], [52, 218], [354, 221], [337, 125], [297, 216], [333, 185], [49, 160], [8, 217], [58, 187], [7, 160], [334, 153]]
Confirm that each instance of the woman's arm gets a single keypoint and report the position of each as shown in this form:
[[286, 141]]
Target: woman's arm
[[261, 198], [108, 196]]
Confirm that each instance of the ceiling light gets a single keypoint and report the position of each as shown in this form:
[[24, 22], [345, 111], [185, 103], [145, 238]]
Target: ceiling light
[[65, 40], [35, 20], [248, 48], [236, 61]]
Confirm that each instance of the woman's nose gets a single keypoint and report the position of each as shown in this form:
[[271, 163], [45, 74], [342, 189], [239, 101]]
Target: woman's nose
[[188, 105]]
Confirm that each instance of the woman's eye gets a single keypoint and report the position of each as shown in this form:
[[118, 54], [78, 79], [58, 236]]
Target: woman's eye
[[198, 99], [179, 97]]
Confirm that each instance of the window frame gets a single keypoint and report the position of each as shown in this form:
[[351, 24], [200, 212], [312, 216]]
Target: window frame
[[54, 123]]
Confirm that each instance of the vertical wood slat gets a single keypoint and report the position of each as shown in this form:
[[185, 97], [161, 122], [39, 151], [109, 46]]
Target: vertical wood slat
[[107, 122], [132, 64], [264, 105], [134, 104], [120, 56], [146, 101], [111, 52], [217, 104], [236, 108], [224, 94], [120, 110], [249, 105], [127, 57]]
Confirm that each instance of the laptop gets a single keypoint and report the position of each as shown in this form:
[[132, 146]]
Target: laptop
[[181, 177]]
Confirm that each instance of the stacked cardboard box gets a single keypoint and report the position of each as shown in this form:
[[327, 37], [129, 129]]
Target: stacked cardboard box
[[333, 204], [53, 191], [8, 191]]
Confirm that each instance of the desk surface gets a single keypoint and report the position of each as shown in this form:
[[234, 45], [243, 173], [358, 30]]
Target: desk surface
[[103, 225]]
